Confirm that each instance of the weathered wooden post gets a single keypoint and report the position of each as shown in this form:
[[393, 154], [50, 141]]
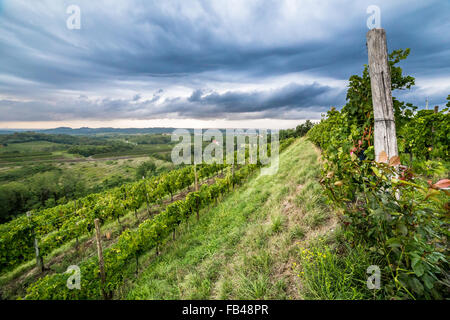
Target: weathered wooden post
[[101, 263], [195, 177], [39, 259], [385, 137], [196, 189], [77, 243], [146, 198], [232, 174], [436, 109]]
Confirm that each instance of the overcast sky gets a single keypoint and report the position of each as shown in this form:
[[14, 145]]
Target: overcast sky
[[211, 63]]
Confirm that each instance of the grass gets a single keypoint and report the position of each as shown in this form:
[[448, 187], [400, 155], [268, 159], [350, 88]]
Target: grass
[[244, 247], [31, 147], [93, 173], [331, 270]]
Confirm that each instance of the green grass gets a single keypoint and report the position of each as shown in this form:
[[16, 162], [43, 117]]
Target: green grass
[[244, 247], [32, 151], [331, 270], [32, 147], [138, 150]]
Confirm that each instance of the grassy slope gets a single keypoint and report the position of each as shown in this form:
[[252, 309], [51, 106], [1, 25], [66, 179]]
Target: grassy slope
[[244, 247]]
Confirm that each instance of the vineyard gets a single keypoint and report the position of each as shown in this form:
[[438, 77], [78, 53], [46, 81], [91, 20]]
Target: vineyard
[[57, 226], [392, 212], [224, 159]]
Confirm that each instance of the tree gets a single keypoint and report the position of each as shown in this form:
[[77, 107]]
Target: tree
[[303, 129], [145, 169]]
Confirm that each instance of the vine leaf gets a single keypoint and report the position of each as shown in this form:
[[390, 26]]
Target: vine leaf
[[394, 161], [441, 184]]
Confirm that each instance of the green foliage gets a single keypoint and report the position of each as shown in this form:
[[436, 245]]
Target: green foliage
[[108, 147], [145, 169], [55, 226], [334, 273], [132, 243], [300, 131], [403, 221], [20, 137], [353, 125], [42, 190], [426, 135], [23, 172], [150, 139]]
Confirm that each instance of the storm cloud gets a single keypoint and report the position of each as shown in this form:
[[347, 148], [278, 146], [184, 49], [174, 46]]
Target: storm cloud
[[283, 103], [206, 59]]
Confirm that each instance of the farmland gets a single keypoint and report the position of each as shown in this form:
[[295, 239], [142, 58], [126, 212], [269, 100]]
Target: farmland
[[48, 170]]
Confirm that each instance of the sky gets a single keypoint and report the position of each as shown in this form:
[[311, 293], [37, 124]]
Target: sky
[[203, 64]]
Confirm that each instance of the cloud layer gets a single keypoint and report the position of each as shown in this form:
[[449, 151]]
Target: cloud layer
[[205, 59]]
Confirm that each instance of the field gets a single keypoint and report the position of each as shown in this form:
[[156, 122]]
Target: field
[[43, 151], [39, 170]]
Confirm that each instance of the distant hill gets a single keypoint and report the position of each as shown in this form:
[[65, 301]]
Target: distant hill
[[92, 131], [85, 131]]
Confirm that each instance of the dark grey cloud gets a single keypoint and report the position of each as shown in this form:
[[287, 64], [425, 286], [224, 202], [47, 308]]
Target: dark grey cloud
[[292, 96], [292, 101], [149, 49]]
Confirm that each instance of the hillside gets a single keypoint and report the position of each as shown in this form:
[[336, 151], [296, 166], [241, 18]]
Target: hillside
[[247, 245], [271, 237]]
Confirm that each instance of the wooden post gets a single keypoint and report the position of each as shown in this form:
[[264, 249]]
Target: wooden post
[[77, 245], [196, 189], [101, 263], [385, 138], [146, 198], [195, 177], [232, 175], [39, 259]]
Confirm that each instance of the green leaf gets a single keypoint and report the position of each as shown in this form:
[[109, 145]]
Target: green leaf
[[418, 268], [417, 285], [428, 281], [401, 227], [394, 243], [376, 171]]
